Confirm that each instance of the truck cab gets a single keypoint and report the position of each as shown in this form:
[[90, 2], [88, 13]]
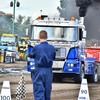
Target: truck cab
[[69, 39]]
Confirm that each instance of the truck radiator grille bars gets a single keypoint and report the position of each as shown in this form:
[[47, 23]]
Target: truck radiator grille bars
[[60, 52]]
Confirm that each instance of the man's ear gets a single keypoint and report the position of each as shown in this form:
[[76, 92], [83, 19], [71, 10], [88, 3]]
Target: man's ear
[[38, 37], [47, 37]]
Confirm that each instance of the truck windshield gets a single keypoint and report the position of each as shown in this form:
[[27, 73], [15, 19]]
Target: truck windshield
[[24, 42], [6, 40], [57, 33]]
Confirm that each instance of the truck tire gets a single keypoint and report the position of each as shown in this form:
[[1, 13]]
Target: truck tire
[[78, 77], [4, 57], [94, 78], [13, 59], [25, 57]]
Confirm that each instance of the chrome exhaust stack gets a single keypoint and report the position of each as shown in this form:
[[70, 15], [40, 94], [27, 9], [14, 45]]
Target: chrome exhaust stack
[[82, 20]]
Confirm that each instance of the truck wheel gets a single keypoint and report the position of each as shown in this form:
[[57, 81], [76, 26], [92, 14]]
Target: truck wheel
[[94, 77], [13, 60], [78, 77], [25, 57]]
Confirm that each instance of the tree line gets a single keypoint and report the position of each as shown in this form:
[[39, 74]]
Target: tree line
[[20, 25]]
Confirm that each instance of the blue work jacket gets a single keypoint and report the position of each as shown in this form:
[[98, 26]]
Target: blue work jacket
[[43, 54]]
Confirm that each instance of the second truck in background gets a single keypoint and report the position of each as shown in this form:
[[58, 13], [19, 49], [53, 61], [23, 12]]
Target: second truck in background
[[9, 48], [23, 48]]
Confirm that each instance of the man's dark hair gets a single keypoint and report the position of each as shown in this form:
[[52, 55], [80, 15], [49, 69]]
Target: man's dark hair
[[43, 34]]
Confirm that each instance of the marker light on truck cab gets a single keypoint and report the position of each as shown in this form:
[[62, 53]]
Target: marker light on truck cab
[[42, 17], [39, 18], [72, 19]]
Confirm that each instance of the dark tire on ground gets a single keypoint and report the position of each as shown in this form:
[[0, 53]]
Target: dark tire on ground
[[25, 57], [78, 77], [93, 78], [13, 59]]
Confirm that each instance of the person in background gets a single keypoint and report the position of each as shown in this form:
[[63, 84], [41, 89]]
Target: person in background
[[42, 76]]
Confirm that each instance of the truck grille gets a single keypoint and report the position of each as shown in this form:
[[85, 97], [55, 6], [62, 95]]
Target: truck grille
[[21, 49], [60, 52]]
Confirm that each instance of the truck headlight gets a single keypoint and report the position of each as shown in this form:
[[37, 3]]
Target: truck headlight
[[32, 68], [71, 65], [31, 63], [68, 64]]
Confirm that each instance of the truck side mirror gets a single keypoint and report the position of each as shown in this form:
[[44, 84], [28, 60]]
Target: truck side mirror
[[80, 34], [27, 32]]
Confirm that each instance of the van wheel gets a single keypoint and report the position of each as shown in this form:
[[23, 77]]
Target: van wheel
[[78, 77]]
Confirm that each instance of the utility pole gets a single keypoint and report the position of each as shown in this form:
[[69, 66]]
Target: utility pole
[[11, 4], [13, 17]]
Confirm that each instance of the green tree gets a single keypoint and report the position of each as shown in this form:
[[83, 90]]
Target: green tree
[[20, 19], [5, 23], [20, 26], [27, 21], [1, 12]]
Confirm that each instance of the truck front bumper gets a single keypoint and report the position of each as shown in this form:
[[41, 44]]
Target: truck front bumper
[[70, 66]]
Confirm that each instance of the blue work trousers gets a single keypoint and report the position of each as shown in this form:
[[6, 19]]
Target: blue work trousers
[[42, 83]]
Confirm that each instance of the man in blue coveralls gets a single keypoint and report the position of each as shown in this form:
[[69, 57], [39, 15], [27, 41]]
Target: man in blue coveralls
[[42, 76]]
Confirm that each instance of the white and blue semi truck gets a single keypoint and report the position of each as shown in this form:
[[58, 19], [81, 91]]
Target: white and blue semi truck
[[69, 39]]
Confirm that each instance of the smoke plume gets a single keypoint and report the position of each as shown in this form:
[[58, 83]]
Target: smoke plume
[[91, 21], [83, 5]]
